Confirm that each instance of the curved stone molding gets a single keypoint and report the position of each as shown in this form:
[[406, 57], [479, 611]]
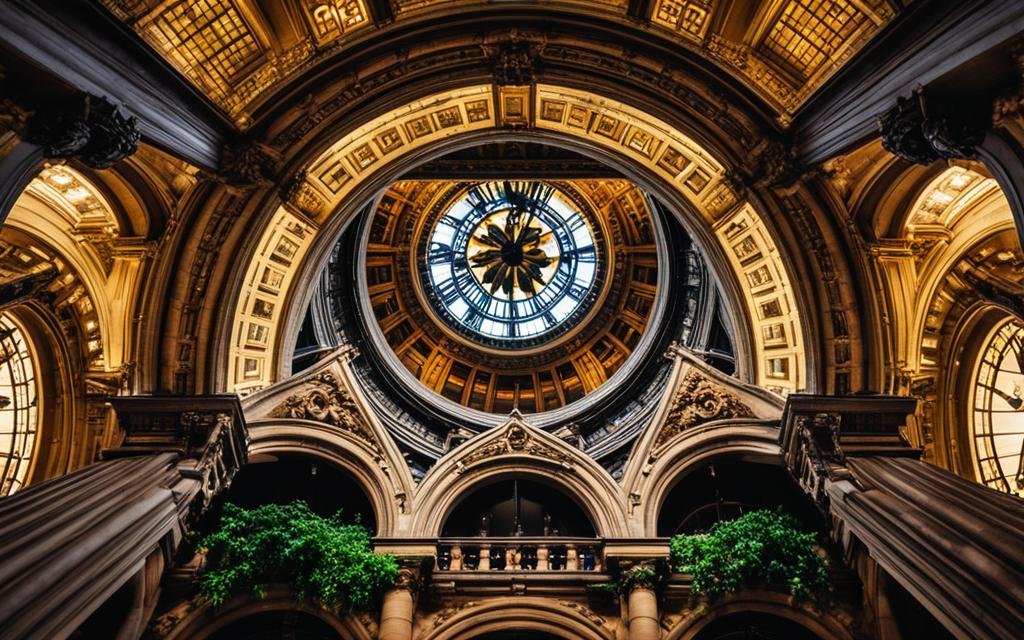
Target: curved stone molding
[[196, 619], [733, 232], [731, 417], [832, 624], [562, 618], [518, 449], [324, 413]]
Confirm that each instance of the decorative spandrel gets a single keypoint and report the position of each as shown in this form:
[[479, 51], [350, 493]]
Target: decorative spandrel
[[998, 410], [512, 264]]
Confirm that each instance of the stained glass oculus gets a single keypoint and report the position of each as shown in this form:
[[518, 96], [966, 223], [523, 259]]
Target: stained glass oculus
[[998, 410], [512, 264]]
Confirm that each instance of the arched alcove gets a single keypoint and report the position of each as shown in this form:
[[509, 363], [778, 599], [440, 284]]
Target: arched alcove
[[280, 478], [727, 486], [752, 625], [273, 625], [517, 506]]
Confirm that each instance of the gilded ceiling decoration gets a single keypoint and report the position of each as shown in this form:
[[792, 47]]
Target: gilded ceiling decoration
[[493, 325], [236, 51], [786, 50]]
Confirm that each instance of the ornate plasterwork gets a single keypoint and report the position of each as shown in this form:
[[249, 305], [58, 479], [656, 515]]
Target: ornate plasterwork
[[697, 400], [325, 400], [789, 49], [652, 143], [515, 439], [777, 332], [648, 140], [227, 48]]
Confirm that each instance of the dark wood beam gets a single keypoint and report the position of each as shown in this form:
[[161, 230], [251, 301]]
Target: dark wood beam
[[77, 43], [929, 40]]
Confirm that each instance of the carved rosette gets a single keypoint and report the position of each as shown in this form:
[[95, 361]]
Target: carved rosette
[[325, 400], [699, 400]]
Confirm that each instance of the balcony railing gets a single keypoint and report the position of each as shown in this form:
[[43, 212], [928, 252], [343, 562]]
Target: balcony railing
[[519, 554]]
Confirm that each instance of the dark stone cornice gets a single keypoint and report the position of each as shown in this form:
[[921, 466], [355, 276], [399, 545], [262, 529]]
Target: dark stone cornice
[[927, 41], [75, 43]]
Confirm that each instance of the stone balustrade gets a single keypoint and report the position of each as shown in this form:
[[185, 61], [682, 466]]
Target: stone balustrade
[[519, 554]]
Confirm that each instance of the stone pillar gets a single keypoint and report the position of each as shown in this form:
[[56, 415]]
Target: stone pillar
[[952, 544], [643, 613], [399, 608]]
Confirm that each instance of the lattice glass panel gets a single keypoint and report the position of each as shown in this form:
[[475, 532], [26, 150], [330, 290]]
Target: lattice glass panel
[[810, 32]]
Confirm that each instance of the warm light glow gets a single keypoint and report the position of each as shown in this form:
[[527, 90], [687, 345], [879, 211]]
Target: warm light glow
[[511, 265], [18, 406], [998, 410]]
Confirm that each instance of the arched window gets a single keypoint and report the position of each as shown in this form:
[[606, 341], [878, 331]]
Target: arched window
[[18, 405], [997, 410]]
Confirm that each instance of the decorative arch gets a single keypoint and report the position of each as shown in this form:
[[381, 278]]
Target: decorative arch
[[198, 619], [563, 618], [329, 190], [706, 414], [828, 625], [518, 449], [323, 413]]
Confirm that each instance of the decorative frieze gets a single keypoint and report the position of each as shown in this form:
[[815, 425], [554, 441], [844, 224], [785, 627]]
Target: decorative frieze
[[698, 400], [326, 400]]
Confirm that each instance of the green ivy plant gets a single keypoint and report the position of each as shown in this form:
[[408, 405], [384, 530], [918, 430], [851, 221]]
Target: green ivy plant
[[760, 547], [322, 558], [638, 575]]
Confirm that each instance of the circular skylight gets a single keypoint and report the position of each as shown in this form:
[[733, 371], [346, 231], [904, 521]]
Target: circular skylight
[[511, 264]]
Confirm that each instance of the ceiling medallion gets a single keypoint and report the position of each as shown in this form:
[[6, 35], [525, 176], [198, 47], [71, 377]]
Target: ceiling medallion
[[512, 264]]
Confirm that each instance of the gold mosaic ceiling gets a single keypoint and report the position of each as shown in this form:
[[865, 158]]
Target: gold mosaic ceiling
[[236, 51]]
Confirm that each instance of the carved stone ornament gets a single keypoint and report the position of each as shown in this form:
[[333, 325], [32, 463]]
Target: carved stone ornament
[[248, 164], [93, 130], [513, 58], [819, 448], [326, 401], [923, 136], [697, 401], [516, 440], [298, 193], [583, 611], [443, 615]]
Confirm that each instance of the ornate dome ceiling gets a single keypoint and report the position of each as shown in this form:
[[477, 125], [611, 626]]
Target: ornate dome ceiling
[[523, 294]]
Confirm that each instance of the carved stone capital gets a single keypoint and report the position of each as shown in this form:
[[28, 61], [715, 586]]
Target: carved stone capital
[[513, 57], [248, 164], [91, 129]]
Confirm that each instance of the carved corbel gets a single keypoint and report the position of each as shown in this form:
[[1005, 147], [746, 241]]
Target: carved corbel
[[90, 129], [921, 130], [248, 164]]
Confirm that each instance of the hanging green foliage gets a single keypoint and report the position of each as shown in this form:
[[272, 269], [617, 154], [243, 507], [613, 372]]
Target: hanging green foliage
[[322, 558], [759, 548]]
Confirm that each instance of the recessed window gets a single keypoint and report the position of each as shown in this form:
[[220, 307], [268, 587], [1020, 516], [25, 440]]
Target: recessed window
[[997, 410], [18, 406]]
